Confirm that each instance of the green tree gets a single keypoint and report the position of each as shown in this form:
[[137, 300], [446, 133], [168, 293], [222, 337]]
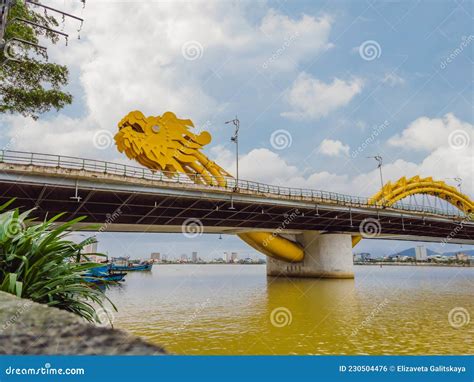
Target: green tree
[[34, 86]]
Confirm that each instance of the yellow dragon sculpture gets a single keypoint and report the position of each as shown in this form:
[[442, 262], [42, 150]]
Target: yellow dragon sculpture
[[165, 143]]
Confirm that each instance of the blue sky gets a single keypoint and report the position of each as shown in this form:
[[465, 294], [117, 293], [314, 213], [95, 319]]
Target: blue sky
[[291, 70]]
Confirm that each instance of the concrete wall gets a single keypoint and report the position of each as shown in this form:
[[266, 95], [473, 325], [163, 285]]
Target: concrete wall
[[326, 256], [30, 328]]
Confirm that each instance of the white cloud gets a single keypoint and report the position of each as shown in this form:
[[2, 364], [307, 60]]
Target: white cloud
[[431, 133], [271, 167], [440, 163], [333, 148], [138, 63], [445, 158], [40, 136], [311, 98], [393, 79], [295, 38]]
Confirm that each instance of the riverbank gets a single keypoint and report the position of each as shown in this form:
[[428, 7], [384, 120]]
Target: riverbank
[[392, 263], [208, 263], [27, 327]]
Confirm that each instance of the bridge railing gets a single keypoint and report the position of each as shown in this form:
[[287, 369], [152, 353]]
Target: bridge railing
[[128, 171]]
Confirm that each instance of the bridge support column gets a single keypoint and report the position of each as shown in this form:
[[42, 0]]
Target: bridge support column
[[326, 256]]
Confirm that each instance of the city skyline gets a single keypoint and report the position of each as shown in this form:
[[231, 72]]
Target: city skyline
[[171, 243]]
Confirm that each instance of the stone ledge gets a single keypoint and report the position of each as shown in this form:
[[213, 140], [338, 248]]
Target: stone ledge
[[30, 328]]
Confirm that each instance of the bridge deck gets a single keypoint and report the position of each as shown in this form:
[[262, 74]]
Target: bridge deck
[[126, 203], [56, 165]]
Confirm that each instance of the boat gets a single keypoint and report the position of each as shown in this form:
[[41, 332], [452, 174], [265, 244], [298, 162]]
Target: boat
[[103, 274], [124, 264]]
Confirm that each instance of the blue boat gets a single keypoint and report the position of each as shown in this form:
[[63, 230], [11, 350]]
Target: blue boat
[[123, 264], [100, 275]]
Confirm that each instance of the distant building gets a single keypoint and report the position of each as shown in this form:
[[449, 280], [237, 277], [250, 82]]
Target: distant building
[[361, 257], [227, 257], [90, 248], [436, 258], [194, 257], [234, 257], [460, 256], [184, 258], [421, 253], [156, 257], [366, 256]]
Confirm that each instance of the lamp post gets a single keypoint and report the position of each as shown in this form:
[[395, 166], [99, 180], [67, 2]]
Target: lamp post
[[379, 160], [235, 139], [458, 180]]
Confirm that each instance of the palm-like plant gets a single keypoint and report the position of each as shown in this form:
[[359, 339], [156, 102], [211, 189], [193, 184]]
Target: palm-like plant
[[39, 263]]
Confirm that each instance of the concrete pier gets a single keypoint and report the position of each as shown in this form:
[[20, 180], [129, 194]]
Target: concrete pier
[[326, 256]]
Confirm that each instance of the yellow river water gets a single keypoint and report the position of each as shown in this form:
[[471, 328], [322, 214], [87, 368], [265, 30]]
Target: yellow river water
[[236, 309]]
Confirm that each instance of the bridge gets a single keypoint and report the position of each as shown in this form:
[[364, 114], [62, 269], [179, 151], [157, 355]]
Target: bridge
[[123, 198]]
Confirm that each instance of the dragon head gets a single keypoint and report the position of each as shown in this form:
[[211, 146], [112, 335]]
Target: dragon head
[[160, 143]]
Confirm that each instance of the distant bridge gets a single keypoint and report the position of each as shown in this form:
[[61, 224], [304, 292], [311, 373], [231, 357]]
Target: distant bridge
[[123, 198]]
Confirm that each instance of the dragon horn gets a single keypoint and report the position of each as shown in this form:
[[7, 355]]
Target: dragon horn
[[171, 117]]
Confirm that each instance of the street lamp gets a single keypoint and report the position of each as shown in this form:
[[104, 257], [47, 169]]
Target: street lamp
[[379, 160], [235, 139]]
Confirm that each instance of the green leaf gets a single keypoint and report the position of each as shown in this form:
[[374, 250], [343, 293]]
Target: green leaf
[[35, 263], [19, 288]]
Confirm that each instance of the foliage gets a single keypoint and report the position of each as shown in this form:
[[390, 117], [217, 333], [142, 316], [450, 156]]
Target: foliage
[[39, 263], [31, 87]]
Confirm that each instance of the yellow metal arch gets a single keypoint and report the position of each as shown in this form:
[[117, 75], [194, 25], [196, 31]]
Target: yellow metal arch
[[402, 188]]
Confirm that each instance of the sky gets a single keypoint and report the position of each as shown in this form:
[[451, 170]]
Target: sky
[[318, 86]]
